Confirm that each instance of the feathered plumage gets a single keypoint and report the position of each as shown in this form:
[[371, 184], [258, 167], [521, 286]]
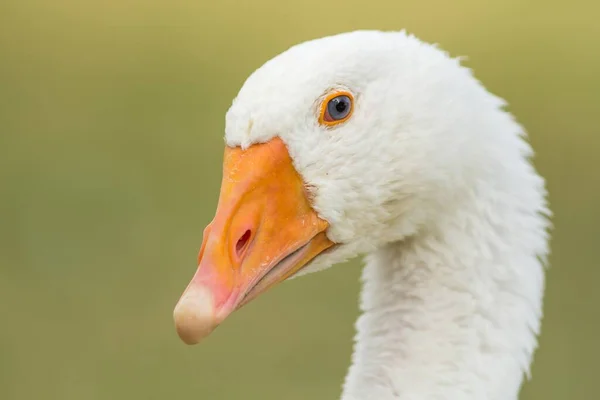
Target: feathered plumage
[[431, 178]]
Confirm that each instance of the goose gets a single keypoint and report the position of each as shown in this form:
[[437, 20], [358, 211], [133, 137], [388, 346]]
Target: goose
[[379, 144]]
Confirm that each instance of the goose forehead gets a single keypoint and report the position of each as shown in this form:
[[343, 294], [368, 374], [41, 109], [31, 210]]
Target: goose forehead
[[355, 56], [301, 74], [283, 100], [282, 95], [284, 92]]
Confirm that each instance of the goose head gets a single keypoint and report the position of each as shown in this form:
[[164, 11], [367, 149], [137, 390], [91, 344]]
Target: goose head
[[334, 148]]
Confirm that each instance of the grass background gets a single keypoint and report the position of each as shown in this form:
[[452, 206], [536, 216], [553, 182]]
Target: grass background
[[111, 125]]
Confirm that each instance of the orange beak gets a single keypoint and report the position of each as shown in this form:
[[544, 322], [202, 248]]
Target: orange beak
[[264, 231]]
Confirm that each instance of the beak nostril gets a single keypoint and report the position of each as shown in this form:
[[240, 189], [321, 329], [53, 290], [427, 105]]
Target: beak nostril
[[240, 246]]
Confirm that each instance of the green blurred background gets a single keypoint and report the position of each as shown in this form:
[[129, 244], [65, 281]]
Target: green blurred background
[[111, 125]]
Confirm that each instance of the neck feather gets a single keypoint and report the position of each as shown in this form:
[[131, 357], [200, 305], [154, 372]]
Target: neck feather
[[453, 313]]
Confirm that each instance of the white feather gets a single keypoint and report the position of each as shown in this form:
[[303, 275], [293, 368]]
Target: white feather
[[432, 178]]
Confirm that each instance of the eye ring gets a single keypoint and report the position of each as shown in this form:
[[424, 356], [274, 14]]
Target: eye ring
[[337, 107]]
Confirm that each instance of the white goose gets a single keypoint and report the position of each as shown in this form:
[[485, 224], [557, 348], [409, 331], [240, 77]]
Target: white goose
[[372, 142]]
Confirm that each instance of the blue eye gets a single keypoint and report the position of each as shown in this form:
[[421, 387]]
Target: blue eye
[[338, 108]]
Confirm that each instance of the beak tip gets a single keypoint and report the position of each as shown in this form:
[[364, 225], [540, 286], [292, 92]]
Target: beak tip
[[194, 315]]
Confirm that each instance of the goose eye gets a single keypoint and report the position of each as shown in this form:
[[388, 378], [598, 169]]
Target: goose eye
[[336, 108]]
